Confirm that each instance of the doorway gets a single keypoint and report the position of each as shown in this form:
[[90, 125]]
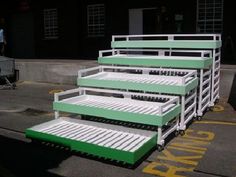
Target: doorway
[[21, 35]]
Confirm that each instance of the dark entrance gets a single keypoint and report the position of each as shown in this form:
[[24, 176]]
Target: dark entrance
[[21, 35]]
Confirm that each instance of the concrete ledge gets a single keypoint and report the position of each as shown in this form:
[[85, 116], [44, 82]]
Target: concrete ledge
[[65, 71], [51, 71]]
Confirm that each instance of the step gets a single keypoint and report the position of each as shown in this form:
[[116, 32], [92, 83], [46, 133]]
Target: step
[[157, 61], [154, 110], [170, 81], [190, 41], [102, 140]]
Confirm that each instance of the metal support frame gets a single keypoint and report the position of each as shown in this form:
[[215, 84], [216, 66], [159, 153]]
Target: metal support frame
[[215, 78], [188, 108], [204, 91], [169, 37], [200, 54], [162, 135]]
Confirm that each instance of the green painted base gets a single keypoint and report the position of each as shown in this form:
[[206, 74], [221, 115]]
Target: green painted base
[[173, 62], [157, 120], [94, 149], [188, 44], [158, 88]]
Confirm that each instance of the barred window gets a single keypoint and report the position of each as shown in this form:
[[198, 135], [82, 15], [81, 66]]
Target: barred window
[[96, 20], [50, 23], [210, 16]]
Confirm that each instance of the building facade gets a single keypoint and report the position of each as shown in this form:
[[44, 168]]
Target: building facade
[[78, 29]]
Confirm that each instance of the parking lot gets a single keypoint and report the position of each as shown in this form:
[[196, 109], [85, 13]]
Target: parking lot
[[207, 148]]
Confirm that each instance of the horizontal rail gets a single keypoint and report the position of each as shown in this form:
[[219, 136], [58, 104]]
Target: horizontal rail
[[206, 89], [206, 82], [217, 54], [206, 105], [83, 90], [192, 74], [216, 89], [202, 53], [189, 118], [217, 83], [207, 73], [189, 108], [162, 73], [169, 131], [168, 36], [102, 67], [67, 92], [190, 98], [207, 97], [218, 68], [80, 72]]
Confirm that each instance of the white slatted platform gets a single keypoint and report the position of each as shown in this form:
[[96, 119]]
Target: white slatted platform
[[102, 140], [170, 81], [120, 104], [96, 135], [147, 79]]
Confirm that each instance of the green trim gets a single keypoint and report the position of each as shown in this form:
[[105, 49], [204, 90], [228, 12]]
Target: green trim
[[171, 89], [125, 156], [160, 62], [193, 44], [118, 115], [100, 151]]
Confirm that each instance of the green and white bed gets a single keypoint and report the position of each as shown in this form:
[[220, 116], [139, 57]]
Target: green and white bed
[[104, 140], [211, 42], [178, 82]]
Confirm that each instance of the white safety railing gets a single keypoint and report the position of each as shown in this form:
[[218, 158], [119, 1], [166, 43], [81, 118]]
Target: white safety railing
[[200, 54], [126, 73], [169, 37]]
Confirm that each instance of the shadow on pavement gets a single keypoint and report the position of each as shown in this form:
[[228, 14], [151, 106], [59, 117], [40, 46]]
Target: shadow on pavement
[[232, 96], [19, 158]]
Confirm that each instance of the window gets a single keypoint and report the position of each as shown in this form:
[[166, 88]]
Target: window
[[50, 23], [210, 16], [96, 20]]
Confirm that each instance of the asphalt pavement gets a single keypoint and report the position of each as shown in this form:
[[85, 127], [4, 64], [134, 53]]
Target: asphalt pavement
[[208, 149]]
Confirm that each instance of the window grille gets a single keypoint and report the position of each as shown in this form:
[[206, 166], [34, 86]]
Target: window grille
[[50, 23], [210, 16], [96, 20]]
